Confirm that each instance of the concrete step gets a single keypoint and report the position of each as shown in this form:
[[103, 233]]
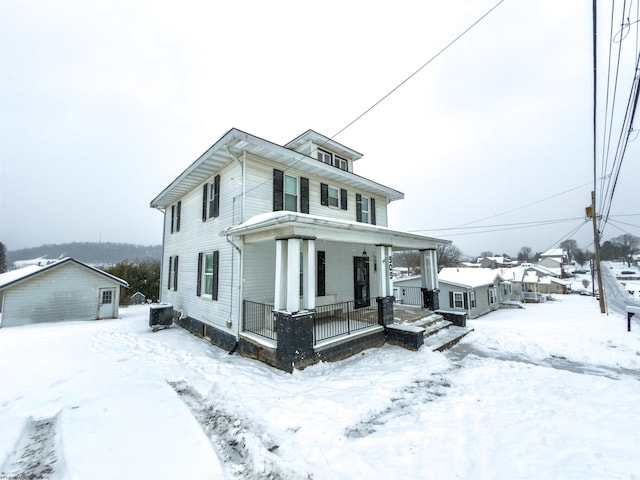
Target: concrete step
[[445, 338], [433, 328]]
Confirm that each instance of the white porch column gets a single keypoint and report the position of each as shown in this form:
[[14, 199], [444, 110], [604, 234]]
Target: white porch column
[[309, 273], [388, 269], [429, 263], [280, 280], [293, 275]]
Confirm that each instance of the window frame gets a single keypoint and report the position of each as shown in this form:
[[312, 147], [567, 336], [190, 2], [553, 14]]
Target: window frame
[[458, 296], [288, 195]]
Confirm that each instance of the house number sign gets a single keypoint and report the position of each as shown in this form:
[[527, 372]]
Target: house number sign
[[390, 267]]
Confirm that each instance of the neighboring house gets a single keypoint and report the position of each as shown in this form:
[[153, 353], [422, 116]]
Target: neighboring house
[[494, 262], [552, 265], [474, 291], [282, 253], [64, 290], [138, 298], [552, 285], [530, 291], [542, 271]]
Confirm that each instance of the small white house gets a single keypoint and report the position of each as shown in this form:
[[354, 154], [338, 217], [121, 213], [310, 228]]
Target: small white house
[[64, 290]]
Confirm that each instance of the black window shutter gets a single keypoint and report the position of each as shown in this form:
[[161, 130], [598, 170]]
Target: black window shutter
[[358, 207], [304, 195], [451, 299], [178, 213], [214, 208], [169, 276], [199, 279], [173, 215], [466, 300], [175, 273], [214, 280], [373, 211], [278, 188], [320, 269], [324, 194], [343, 199], [205, 201]]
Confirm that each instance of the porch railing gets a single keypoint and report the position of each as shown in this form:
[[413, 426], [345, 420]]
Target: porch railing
[[343, 319], [331, 320], [408, 295], [259, 319]]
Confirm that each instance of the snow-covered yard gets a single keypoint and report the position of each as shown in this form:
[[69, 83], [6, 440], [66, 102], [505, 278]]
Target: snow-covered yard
[[550, 391]]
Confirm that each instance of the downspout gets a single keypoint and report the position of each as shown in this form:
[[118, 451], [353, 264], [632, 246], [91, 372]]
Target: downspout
[[239, 249], [160, 289]]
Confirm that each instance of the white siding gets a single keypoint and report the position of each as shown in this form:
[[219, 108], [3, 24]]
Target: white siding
[[196, 236], [68, 292]]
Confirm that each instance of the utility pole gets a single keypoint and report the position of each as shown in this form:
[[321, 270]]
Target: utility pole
[[596, 233], [596, 242]]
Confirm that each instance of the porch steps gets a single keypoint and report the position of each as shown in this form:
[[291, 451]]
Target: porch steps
[[447, 338]]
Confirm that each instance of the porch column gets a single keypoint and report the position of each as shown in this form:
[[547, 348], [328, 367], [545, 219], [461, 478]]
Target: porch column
[[280, 280], [429, 264], [293, 274], [309, 275], [385, 266]]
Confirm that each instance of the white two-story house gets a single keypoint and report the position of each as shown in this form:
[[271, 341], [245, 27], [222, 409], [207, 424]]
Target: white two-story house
[[283, 253]]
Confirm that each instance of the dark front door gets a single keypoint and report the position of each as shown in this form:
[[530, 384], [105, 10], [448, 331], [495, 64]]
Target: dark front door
[[361, 281]]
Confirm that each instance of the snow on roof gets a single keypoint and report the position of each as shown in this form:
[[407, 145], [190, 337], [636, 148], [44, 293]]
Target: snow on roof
[[470, 277], [18, 274], [553, 252], [22, 274]]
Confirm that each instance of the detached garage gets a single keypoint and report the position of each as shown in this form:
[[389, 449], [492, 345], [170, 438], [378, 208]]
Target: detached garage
[[63, 290]]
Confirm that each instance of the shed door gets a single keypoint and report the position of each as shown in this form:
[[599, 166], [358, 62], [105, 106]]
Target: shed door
[[107, 299]]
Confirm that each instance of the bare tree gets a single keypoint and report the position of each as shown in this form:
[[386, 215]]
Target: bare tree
[[628, 244], [448, 255], [570, 246], [524, 254]]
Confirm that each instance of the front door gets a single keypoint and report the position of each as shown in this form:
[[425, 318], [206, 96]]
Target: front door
[[107, 298], [361, 281]]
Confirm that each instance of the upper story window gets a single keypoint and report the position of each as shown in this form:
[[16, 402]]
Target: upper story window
[[365, 209], [290, 193], [332, 159], [211, 199], [333, 196], [175, 217]]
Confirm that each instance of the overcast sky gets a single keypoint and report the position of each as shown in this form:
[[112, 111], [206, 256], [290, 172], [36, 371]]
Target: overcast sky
[[104, 103]]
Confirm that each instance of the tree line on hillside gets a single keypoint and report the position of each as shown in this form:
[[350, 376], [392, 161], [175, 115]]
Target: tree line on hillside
[[143, 277], [94, 253]]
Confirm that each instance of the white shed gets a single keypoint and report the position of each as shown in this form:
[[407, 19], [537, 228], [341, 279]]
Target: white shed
[[63, 290]]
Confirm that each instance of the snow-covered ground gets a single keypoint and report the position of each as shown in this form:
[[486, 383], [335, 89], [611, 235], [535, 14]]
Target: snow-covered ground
[[551, 391]]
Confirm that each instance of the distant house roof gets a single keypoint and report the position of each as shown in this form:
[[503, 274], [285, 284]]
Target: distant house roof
[[14, 277], [553, 252], [470, 277]]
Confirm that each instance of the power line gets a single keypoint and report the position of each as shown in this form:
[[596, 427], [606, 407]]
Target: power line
[[418, 70]]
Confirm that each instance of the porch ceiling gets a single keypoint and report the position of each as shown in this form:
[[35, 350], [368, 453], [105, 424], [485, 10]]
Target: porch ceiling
[[291, 224]]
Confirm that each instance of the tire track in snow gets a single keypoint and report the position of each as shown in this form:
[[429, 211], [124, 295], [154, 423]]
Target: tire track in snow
[[37, 454], [245, 451]]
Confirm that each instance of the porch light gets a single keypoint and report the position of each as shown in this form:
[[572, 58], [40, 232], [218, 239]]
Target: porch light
[[375, 263], [364, 253]]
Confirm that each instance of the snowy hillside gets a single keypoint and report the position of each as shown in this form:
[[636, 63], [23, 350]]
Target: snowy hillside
[[549, 391]]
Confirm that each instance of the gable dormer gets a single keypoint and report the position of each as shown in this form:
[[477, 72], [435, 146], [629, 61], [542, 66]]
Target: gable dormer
[[324, 150]]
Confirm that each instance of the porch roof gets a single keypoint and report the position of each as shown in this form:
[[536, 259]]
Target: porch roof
[[273, 225]]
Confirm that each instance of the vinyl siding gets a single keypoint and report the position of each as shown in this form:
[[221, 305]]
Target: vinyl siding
[[68, 292]]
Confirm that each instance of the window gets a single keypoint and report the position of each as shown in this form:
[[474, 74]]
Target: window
[[320, 273], [207, 281], [458, 300], [491, 292], [472, 299], [107, 297], [365, 209], [290, 193], [333, 197], [332, 159], [325, 157], [175, 217], [172, 280], [211, 199], [341, 163]]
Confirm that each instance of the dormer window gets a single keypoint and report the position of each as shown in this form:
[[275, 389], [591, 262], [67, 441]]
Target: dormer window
[[332, 159]]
